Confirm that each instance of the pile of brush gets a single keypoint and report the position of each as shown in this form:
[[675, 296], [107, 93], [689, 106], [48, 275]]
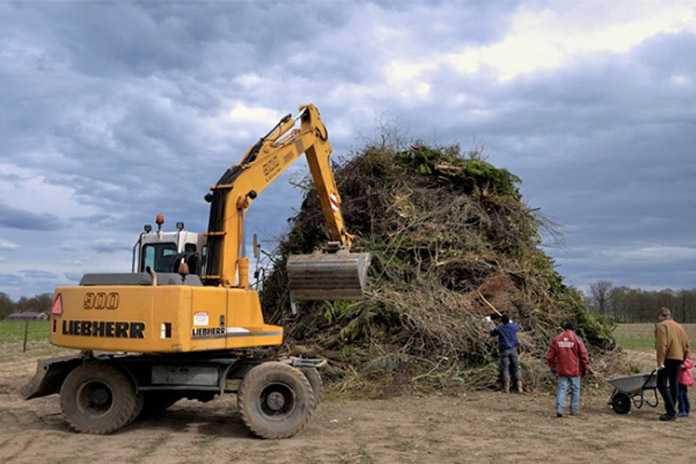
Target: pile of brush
[[452, 242]]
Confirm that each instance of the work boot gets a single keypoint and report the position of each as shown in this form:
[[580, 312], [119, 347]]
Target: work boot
[[506, 387], [518, 384]]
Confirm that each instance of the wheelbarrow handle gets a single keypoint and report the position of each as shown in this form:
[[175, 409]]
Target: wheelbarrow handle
[[647, 380], [642, 391]]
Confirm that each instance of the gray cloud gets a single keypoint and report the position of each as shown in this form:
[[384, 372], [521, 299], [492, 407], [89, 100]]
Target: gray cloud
[[121, 110], [108, 246], [38, 274], [8, 246], [74, 277], [25, 220], [9, 280]]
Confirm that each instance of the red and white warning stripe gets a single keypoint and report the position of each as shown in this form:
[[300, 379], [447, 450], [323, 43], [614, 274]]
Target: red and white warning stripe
[[333, 199]]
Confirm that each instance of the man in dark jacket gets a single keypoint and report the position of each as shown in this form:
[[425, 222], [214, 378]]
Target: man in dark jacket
[[567, 358], [507, 343]]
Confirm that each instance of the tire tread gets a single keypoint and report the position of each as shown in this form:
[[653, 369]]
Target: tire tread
[[255, 380]]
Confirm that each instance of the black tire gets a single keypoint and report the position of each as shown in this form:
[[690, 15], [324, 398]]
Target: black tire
[[314, 377], [621, 403], [139, 405], [275, 400], [99, 398]]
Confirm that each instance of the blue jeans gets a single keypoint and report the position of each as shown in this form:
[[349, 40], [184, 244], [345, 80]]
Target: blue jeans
[[563, 382], [684, 405]]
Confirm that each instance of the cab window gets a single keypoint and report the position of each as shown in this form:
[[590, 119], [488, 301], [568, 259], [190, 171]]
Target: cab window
[[159, 257]]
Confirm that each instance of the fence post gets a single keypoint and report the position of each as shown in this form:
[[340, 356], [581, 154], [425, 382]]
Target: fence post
[[26, 333]]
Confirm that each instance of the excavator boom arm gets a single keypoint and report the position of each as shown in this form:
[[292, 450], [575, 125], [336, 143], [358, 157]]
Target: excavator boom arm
[[261, 165]]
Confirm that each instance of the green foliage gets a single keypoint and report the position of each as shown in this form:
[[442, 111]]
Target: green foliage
[[354, 318], [595, 329], [358, 326], [472, 173], [423, 159], [484, 175]]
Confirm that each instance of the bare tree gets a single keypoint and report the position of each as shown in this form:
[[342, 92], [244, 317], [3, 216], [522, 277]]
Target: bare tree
[[601, 296]]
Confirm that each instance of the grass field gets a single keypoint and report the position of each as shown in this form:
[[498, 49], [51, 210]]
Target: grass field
[[13, 331], [12, 340], [642, 336]]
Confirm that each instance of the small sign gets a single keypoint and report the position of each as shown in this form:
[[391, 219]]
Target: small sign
[[200, 319]]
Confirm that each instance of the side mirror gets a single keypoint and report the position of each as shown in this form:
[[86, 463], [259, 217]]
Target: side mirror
[[256, 247]]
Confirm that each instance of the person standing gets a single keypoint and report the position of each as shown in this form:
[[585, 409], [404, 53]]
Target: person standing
[[509, 361], [671, 348], [686, 380], [567, 358]]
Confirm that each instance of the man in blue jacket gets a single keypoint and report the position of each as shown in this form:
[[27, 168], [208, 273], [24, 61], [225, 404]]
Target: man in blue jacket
[[507, 342]]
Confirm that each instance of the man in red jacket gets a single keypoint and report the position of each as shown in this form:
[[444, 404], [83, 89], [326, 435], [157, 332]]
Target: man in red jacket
[[567, 358]]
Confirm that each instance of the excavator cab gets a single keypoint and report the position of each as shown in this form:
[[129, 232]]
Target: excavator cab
[[163, 252]]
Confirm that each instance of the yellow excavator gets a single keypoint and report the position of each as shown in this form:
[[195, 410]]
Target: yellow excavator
[[185, 322]]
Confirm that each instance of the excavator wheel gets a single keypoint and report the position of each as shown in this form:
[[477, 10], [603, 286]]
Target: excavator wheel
[[98, 398], [139, 406], [275, 400], [312, 374]]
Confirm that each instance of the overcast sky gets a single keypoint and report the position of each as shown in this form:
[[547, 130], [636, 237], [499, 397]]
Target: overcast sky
[[112, 112]]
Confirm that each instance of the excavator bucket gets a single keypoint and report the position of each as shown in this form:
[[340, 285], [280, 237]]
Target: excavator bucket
[[328, 276]]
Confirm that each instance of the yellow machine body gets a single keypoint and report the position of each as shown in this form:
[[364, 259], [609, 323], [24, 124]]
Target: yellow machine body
[[159, 319], [188, 314], [138, 313]]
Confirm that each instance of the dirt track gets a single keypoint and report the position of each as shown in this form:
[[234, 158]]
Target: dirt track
[[475, 427]]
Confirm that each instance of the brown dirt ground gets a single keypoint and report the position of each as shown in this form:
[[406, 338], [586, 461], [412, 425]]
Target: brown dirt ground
[[471, 427]]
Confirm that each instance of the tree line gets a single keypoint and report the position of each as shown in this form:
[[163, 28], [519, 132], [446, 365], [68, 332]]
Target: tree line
[[625, 304], [39, 303]]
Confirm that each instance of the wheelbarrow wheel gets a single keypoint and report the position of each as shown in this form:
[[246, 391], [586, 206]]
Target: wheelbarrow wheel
[[621, 403]]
